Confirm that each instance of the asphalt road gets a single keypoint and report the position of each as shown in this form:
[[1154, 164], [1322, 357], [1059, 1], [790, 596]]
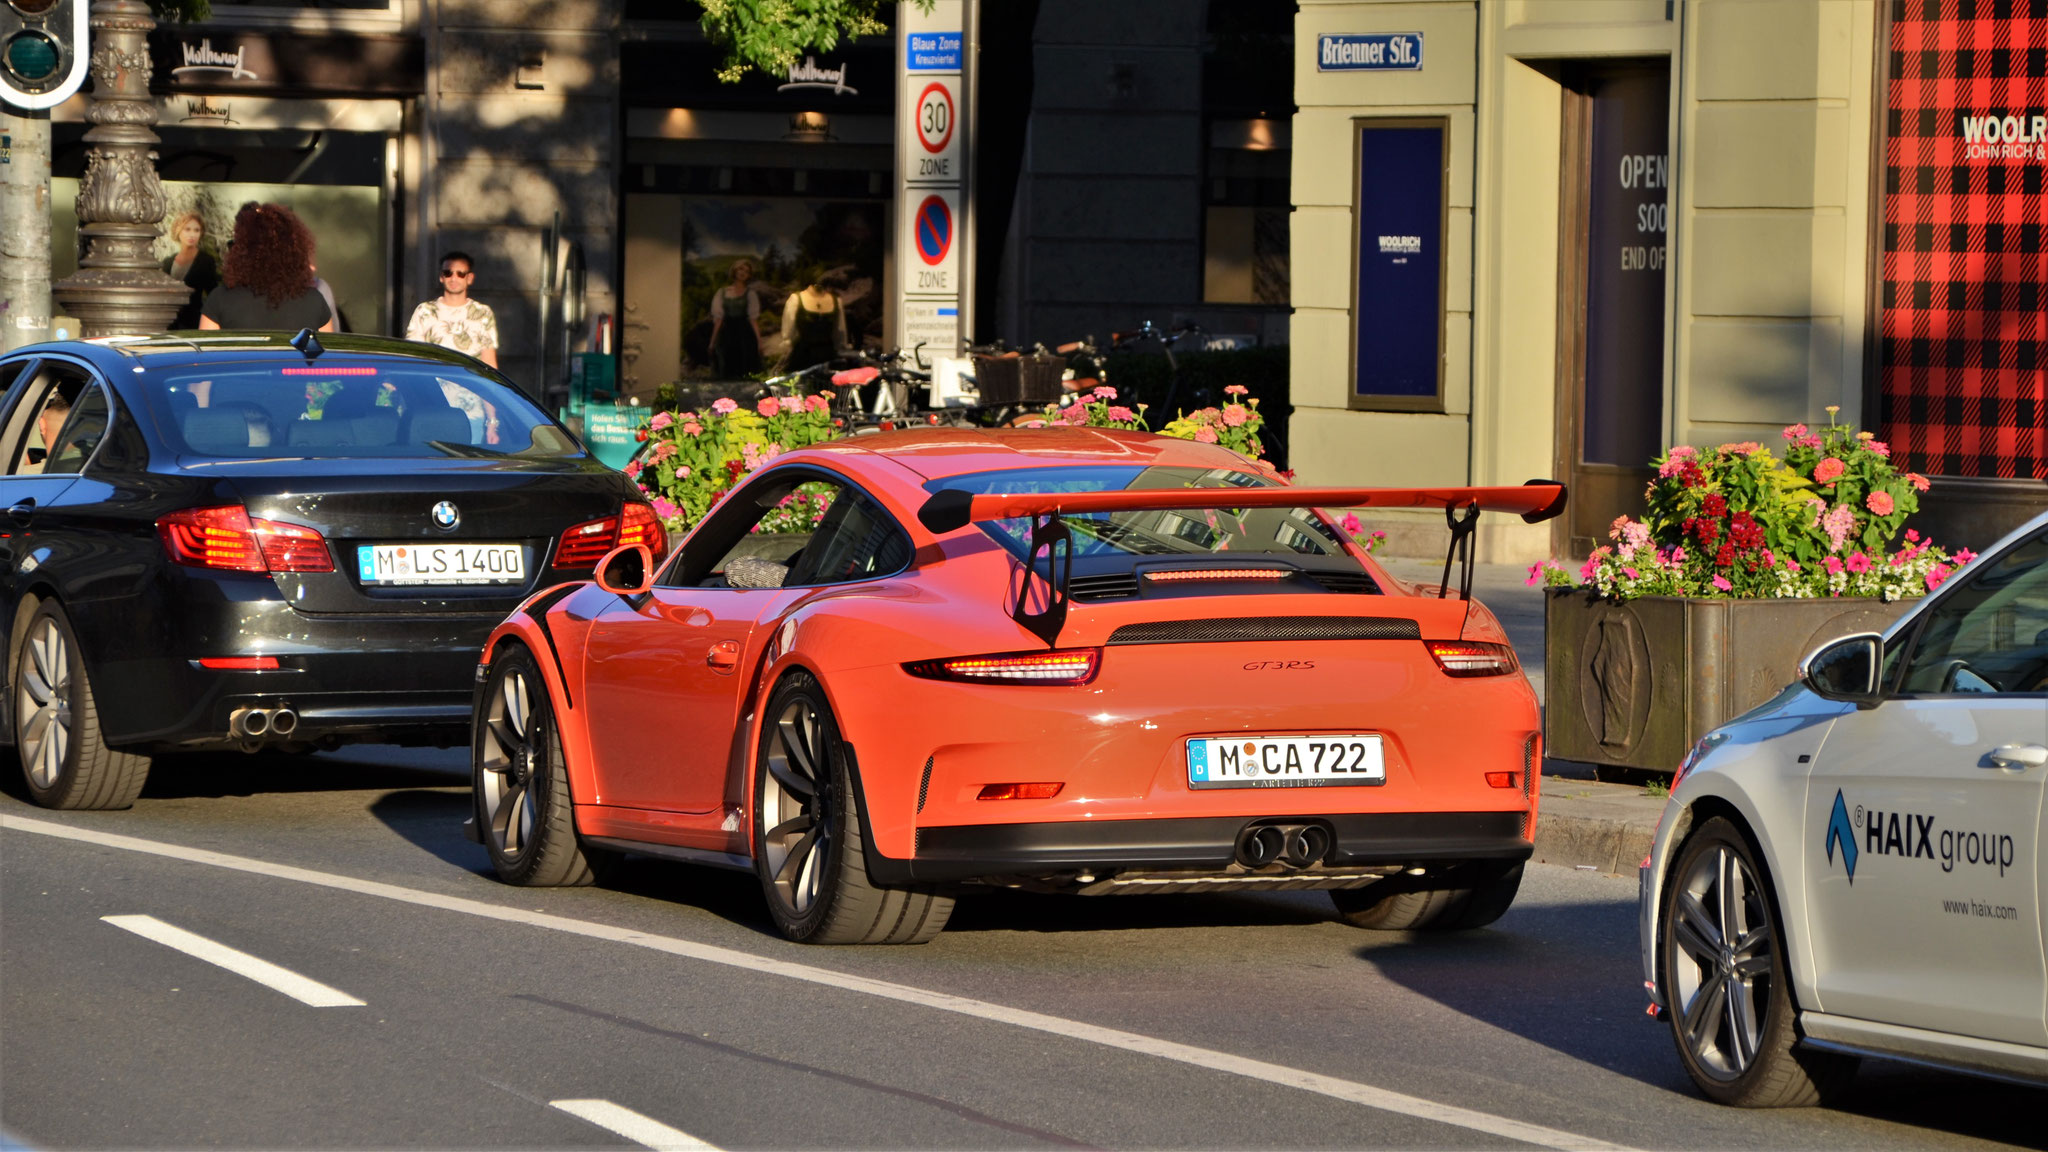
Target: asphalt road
[[661, 1009]]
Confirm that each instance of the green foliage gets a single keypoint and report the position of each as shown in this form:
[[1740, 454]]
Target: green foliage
[[770, 34], [694, 458]]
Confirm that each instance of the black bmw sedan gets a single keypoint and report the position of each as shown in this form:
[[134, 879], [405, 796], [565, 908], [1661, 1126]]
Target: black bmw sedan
[[239, 540]]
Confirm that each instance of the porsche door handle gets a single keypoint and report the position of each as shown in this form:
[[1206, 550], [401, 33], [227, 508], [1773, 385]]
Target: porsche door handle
[[724, 656], [2018, 756]]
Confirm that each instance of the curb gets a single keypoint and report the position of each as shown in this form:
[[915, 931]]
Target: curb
[[1612, 846]]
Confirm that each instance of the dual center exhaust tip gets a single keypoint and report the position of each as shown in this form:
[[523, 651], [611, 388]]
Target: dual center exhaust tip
[[254, 724], [1291, 846]]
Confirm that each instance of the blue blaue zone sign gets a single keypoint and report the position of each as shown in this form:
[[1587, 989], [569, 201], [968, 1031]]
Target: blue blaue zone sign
[[1369, 52], [932, 51]]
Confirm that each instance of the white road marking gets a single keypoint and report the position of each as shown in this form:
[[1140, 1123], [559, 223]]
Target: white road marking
[[263, 972], [642, 1130], [1351, 1091]]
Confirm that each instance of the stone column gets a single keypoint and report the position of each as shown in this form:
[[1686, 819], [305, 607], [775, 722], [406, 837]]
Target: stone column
[[119, 288]]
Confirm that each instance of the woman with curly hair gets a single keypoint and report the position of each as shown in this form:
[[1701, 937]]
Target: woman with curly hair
[[268, 281]]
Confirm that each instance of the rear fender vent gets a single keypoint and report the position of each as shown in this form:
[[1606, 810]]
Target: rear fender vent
[[924, 783], [1268, 628]]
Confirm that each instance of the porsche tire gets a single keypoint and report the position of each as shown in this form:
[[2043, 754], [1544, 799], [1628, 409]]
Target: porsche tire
[[1722, 970], [520, 784], [808, 849], [64, 755], [1468, 896]]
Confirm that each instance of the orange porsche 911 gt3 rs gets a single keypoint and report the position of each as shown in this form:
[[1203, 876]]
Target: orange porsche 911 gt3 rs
[[1071, 660]]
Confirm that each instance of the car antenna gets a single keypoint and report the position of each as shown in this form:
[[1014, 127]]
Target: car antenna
[[308, 344]]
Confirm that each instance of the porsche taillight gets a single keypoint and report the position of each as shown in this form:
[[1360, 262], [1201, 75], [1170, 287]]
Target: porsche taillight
[[228, 538], [1472, 658], [1064, 666]]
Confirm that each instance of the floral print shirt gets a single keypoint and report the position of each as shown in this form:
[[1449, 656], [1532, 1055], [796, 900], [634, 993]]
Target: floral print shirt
[[470, 329]]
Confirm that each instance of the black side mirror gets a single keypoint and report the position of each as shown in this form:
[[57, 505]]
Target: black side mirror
[[626, 571], [1847, 669]]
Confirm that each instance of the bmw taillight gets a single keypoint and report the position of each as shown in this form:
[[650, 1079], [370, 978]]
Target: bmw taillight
[[1065, 666], [1473, 658], [583, 545], [227, 537], [639, 525]]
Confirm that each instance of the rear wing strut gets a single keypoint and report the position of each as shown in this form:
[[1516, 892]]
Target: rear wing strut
[[951, 509]]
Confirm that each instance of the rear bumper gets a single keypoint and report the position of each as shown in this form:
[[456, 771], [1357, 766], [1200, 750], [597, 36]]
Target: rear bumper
[[1061, 852]]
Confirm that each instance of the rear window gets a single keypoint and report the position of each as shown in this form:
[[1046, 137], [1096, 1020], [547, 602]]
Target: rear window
[[338, 407], [1199, 531]]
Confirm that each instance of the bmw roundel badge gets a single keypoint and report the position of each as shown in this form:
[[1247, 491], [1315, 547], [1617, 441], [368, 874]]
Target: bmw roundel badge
[[446, 515]]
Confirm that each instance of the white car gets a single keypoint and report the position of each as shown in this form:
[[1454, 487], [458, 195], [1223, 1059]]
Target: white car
[[1856, 867]]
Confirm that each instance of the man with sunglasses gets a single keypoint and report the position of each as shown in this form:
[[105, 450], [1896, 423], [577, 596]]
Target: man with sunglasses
[[468, 326]]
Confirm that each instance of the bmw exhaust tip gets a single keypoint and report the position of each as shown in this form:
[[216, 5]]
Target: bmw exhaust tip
[[283, 721], [247, 722]]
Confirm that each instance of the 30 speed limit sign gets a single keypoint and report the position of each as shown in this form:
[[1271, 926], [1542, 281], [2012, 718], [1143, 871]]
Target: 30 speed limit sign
[[935, 118]]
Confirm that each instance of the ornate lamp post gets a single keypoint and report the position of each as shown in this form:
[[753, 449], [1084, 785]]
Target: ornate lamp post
[[119, 288]]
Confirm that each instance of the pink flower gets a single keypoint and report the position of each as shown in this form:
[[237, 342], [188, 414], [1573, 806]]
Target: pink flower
[[1074, 414], [1859, 563], [1838, 524], [1964, 555], [1235, 415], [725, 406], [1936, 575], [1912, 535], [768, 406], [1119, 412], [1833, 564], [1205, 434], [1535, 575], [1350, 523], [792, 403], [1828, 471], [1103, 392], [1630, 573], [1795, 432], [664, 450], [1591, 567], [1880, 447], [1879, 502], [661, 420], [1918, 481], [1810, 442], [816, 403], [682, 471], [693, 428], [1721, 582], [633, 469], [666, 509], [1742, 448], [1235, 389]]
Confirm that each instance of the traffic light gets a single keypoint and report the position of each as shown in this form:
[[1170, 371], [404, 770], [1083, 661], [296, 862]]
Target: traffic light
[[43, 51]]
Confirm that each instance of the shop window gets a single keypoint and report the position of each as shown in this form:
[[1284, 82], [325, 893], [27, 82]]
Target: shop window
[[1244, 226]]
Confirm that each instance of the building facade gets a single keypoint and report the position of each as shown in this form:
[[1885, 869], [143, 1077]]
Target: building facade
[[1667, 222]]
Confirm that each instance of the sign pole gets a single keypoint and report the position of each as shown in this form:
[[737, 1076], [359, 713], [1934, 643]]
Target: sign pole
[[933, 288]]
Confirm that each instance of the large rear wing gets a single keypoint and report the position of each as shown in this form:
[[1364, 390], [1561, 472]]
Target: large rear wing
[[951, 509], [1535, 501]]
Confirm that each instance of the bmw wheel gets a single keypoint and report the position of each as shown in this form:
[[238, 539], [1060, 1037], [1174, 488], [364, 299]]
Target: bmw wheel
[[521, 785], [1721, 960], [57, 724], [808, 850]]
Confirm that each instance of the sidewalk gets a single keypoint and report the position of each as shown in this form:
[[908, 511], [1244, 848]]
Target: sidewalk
[[1583, 822]]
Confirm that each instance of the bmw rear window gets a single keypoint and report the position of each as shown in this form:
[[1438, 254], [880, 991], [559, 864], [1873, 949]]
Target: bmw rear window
[[338, 407], [1152, 532]]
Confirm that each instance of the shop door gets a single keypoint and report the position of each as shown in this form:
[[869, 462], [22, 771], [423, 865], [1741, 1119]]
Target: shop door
[[1611, 348]]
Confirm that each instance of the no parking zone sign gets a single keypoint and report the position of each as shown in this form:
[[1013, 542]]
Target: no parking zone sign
[[933, 233]]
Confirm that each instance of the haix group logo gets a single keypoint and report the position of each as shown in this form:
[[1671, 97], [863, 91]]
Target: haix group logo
[[1855, 833]]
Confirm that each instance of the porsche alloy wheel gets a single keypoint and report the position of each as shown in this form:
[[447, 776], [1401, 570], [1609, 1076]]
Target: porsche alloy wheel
[[521, 786], [57, 726], [807, 835], [1725, 980]]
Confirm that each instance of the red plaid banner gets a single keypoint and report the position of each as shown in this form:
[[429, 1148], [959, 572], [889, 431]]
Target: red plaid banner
[[1965, 320]]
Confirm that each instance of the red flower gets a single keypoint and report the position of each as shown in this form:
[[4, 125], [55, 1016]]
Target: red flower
[[1715, 505]]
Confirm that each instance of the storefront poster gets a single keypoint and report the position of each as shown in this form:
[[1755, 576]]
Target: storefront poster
[[1623, 414], [1963, 377], [1398, 292]]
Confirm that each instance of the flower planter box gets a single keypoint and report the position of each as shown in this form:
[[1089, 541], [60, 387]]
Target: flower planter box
[[1633, 684]]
